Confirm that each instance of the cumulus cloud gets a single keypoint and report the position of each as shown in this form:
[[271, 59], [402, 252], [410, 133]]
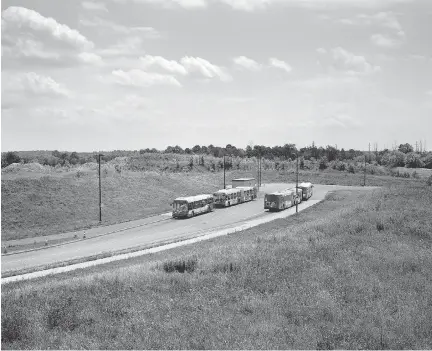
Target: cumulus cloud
[[94, 6], [26, 47], [103, 25], [353, 64], [139, 78], [34, 84], [21, 17], [247, 5], [280, 64], [247, 63], [172, 66], [28, 37], [385, 20], [204, 67]]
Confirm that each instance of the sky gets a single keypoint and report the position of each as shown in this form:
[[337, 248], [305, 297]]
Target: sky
[[82, 75]]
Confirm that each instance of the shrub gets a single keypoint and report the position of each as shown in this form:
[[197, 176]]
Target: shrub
[[9, 158], [413, 160], [351, 169], [180, 266], [323, 163], [429, 180]]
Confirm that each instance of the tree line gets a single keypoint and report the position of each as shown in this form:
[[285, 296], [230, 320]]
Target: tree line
[[403, 156]]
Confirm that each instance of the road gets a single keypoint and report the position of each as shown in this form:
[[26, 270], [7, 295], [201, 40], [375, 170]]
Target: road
[[153, 233]]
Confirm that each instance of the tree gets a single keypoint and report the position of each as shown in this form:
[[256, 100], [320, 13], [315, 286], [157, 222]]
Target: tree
[[413, 160], [405, 148], [302, 164], [428, 161], [56, 153], [332, 153], [196, 149], [249, 151], [323, 164], [12, 157]]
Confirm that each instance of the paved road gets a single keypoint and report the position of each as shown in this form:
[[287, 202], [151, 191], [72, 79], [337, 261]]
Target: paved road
[[152, 233]]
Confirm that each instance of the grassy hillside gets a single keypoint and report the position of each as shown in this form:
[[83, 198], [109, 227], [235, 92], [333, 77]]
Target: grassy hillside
[[37, 202], [353, 272]]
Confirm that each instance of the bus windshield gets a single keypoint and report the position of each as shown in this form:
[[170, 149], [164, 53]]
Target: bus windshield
[[179, 205]]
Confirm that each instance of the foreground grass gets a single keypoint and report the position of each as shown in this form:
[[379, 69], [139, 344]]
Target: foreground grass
[[33, 207], [353, 272]]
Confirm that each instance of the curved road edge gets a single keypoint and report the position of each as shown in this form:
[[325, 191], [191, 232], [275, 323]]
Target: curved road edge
[[179, 242]]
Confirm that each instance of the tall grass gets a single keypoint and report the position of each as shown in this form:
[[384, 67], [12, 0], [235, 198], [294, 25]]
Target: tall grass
[[354, 272]]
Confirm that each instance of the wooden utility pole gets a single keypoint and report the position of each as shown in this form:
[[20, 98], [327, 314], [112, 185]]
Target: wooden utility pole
[[100, 190], [224, 170], [364, 180], [297, 201], [369, 154]]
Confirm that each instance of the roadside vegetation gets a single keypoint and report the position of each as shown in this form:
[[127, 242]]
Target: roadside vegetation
[[353, 272]]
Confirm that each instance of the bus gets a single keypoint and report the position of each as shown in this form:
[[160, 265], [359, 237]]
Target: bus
[[280, 200], [307, 190], [249, 192], [298, 195], [185, 207], [234, 196]]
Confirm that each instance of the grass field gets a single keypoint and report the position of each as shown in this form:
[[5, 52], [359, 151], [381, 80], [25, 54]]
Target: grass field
[[41, 204], [353, 272]]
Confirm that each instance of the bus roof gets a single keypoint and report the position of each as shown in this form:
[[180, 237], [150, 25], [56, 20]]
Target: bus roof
[[227, 191], [282, 192], [194, 198], [305, 185], [242, 179], [244, 187]]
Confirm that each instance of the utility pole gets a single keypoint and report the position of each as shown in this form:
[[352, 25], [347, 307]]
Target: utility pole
[[369, 154], [224, 170], [100, 190], [297, 183], [260, 171], [364, 180]]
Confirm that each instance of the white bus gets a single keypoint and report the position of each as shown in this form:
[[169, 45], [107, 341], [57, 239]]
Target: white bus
[[234, 196], [307, 189], [280, 200], [184, 207], [298, 194]]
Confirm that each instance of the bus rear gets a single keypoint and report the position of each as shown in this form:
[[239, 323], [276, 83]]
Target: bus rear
[[307, 190], [273, 201]]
